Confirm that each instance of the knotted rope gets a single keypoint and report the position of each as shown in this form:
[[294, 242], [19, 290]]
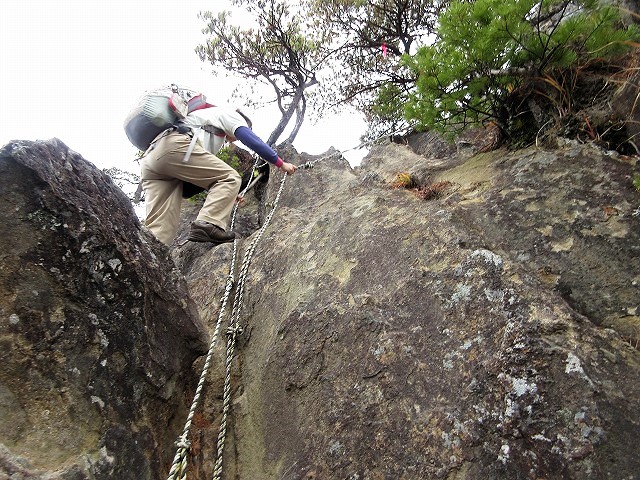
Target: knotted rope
[[235, 329], [178, 469], [179, 466]]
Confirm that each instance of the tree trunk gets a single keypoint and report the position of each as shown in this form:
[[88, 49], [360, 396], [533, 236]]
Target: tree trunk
[[300, 113]]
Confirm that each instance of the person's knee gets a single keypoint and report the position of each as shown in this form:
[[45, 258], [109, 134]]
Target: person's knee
[[236, 180], [232, 181]]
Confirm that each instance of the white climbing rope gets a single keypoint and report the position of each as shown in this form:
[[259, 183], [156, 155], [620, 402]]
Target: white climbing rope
[[178, 469], [235, 329], [179, 466], [311, 163]]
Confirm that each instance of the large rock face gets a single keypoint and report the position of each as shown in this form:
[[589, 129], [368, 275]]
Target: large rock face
[[488, 332], [486, 327], [97, 331]]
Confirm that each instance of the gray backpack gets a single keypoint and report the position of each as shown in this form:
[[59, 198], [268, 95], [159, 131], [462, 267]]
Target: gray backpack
[[159, 110]]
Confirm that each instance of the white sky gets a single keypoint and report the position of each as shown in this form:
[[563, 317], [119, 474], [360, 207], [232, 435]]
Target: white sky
[[73, 69]]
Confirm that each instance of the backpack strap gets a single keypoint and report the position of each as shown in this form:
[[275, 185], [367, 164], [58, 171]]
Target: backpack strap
[[194, 137], [152, 145], [192, 145]]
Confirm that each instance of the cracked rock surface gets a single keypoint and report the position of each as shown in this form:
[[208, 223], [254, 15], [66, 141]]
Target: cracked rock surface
[[488, 329], [486, 333]]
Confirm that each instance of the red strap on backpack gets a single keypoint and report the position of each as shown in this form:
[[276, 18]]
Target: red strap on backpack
[[198, 103]]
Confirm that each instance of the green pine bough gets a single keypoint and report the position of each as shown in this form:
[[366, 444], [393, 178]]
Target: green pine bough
[[488, 49]]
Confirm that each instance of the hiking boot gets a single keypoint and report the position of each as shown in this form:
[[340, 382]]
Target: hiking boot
[[208, 232]]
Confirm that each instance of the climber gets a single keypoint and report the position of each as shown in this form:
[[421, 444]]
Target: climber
[[165, 171]]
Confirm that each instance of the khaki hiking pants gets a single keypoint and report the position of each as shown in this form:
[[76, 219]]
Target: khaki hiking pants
[[163, 171]]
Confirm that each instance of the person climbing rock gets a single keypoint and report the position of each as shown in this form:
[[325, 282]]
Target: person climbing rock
[[166, 167]]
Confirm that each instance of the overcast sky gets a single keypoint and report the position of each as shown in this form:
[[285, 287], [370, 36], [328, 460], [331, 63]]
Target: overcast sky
[[73, 69]]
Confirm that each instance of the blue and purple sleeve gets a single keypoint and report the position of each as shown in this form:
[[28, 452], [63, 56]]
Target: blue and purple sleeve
[[251, 140]]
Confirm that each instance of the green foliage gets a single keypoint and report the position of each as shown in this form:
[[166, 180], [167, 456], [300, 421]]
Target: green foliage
[[198, 197], [230, 157], [362, 70], [487, 49], [385, 114], [404, 180], [636, 181]]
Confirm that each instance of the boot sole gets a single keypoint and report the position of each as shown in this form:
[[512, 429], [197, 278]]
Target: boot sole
[[204, 238]]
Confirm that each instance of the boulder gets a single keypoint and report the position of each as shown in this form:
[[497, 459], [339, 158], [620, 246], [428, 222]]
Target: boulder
[[490, 332], [97, 330]]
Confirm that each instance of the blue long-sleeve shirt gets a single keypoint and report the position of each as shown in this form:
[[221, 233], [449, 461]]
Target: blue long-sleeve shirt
[[251, 140]]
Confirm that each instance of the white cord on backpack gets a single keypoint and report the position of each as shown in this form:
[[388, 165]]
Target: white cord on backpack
[[192, 145]]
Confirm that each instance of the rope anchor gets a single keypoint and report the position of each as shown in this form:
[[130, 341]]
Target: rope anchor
[[235, 330]]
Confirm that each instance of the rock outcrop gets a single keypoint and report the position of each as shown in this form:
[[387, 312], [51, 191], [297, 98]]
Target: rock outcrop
[[97, 330], [483, 323], [489, 332]]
